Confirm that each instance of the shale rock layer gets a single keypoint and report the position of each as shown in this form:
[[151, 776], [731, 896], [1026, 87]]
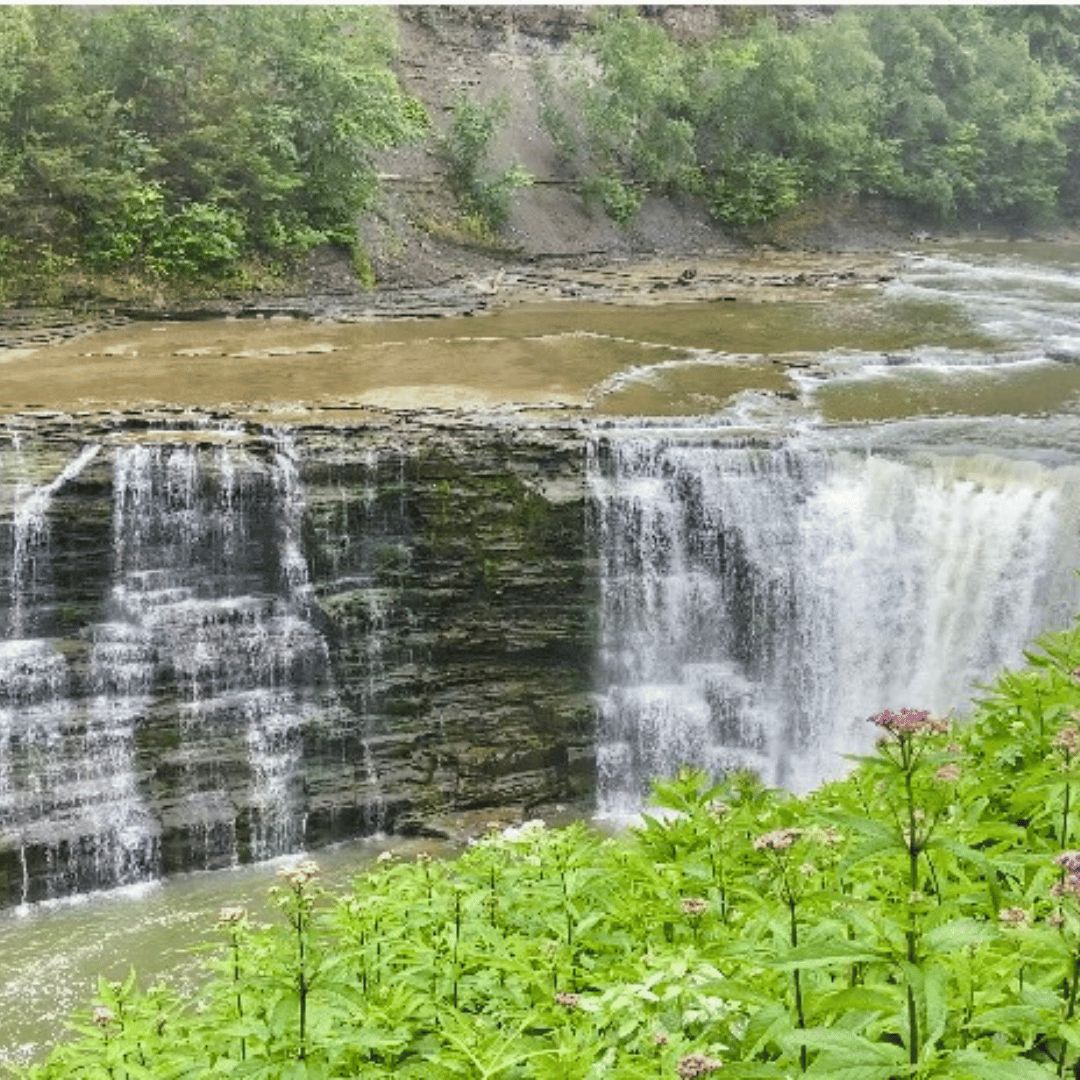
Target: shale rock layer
[[222, 642]]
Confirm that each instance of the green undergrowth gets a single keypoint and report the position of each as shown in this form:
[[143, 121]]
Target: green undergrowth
[[919, 918]]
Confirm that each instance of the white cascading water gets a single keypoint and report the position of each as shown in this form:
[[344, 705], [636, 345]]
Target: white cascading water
[[61, 773], [188, 595], [209, 594], [759, 603]]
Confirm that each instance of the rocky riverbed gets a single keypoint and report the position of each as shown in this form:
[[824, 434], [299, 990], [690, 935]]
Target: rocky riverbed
[[755, 276]]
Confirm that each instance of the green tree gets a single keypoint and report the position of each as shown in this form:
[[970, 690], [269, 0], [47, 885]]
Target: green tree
[[975, 119], [788, 115], [626, 107], [178, 141], [1052, 32]]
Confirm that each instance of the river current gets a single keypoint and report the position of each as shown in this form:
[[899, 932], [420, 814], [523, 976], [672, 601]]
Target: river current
[[804, 509]]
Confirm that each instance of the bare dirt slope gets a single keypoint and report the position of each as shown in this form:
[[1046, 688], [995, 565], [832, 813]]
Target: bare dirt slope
[[490, 53]]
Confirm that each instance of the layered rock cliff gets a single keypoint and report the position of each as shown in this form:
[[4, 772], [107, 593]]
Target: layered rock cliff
[[225, 641]]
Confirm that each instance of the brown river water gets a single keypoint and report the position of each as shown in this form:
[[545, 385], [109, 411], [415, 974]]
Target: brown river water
[[971, 331], [679, 359]]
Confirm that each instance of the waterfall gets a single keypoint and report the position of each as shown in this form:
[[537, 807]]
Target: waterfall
[[30, 527], [759, 602], [67, 788], [123, 746], [208, 585], [222, 643], [363, 531]]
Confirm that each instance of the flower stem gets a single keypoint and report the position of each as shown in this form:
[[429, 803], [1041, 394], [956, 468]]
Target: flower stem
[[1065, 811], [796, 977], [909, 763], [239, 1000]]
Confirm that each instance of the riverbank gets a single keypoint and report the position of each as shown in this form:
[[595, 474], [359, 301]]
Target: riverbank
[[787, 264]]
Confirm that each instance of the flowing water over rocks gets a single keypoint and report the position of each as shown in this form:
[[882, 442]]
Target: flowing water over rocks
[[432, 568], [760, 601], [226, 642]]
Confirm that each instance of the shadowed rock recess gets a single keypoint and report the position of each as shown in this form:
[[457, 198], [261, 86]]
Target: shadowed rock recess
[[222, 642]]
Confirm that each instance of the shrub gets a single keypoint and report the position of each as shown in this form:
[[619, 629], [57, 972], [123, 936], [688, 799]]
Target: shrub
[[465, 149]]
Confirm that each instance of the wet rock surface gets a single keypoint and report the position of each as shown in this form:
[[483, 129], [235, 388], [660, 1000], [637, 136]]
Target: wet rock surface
[[359, 628], [492, 287]]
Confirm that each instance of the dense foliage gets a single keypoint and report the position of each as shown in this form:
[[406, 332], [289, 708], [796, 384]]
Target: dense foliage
[[920, 918], [176, 142], [963, 112]]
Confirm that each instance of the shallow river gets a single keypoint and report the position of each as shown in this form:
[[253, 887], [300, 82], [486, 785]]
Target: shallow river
[[983, 331], [836, 350]]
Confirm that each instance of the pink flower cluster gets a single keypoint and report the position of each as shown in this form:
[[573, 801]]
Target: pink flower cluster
[[1069, 861], [300, 874], [908, 722], [777, 840], [1068, 739], [696, 1065], [1013, 916]]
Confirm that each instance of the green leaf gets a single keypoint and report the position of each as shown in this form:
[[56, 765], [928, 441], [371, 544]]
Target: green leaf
[[857, 999], [844, 1054], [1070, 1032], [936, 1003], [837, 1040], [823, 954], [766, 1025], [967, 854], [972, 1062], [841, 1069], [956, 934]]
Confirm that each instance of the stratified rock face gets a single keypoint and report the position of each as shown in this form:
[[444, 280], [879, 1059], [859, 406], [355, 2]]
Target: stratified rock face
[[221, 643]]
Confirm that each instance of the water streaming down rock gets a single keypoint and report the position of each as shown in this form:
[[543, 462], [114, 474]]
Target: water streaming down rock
[[366, 536], [758, 602], [207, 575], [67, 790], [241, 641], [206, 596]]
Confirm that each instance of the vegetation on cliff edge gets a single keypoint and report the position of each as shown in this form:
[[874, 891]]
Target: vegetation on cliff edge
[[965, 112], [209, 147], [185, 143]]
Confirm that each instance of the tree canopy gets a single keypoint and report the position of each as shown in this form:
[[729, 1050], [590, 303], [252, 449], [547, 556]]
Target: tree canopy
[[963, 112], [193, 143], [177, 140]]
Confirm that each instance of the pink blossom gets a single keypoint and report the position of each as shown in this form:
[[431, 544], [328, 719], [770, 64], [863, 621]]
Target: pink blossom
[[1068, 860], [777, 840], [696, 1065]]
